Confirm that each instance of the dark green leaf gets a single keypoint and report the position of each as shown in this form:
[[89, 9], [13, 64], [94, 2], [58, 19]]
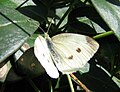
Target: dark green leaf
[[108, 52], [85, 19], [28, 65], [53, 3], [35, 12], [99, 79], [12, 76]]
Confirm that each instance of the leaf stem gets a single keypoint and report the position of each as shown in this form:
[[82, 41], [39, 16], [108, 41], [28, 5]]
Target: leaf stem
[[103, 34], [70, 82]]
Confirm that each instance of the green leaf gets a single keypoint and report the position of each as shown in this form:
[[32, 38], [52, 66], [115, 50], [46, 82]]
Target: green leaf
[[15, 3], [110, 13], [88, 23], [7, 3], [14, 30]]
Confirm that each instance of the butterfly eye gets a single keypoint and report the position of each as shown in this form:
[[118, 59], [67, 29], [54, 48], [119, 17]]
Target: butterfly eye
[[70, 57], [78, 50]]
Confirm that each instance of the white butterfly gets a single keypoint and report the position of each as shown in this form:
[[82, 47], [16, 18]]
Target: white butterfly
[[66, 52]]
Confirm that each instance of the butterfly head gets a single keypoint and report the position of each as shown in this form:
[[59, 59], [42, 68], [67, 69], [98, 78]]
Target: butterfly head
[[46, 35]]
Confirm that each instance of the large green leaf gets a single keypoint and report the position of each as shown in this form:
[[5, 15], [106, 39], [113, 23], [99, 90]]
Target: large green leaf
[[14, 30], [8, 3], [15, 3], [110, 12]]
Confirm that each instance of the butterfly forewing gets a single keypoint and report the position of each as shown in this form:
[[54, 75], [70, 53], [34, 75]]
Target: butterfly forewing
[[42, 53], [74, 51]]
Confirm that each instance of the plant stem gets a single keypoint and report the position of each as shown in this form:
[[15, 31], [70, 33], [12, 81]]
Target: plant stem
[[21, 4], [103, 34], [70, 82], [66, 13], [2, 89], [33, 85], [80, 83], [57, 84], [51, 87]]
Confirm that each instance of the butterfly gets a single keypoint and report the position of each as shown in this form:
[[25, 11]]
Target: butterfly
[[66, 52]]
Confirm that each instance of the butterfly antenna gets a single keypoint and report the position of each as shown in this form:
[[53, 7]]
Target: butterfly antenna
[[37, 26], [41, 29], [50, 25]]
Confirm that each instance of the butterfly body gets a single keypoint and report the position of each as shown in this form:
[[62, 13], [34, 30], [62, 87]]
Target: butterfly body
[[53, 53], [66, 52]]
